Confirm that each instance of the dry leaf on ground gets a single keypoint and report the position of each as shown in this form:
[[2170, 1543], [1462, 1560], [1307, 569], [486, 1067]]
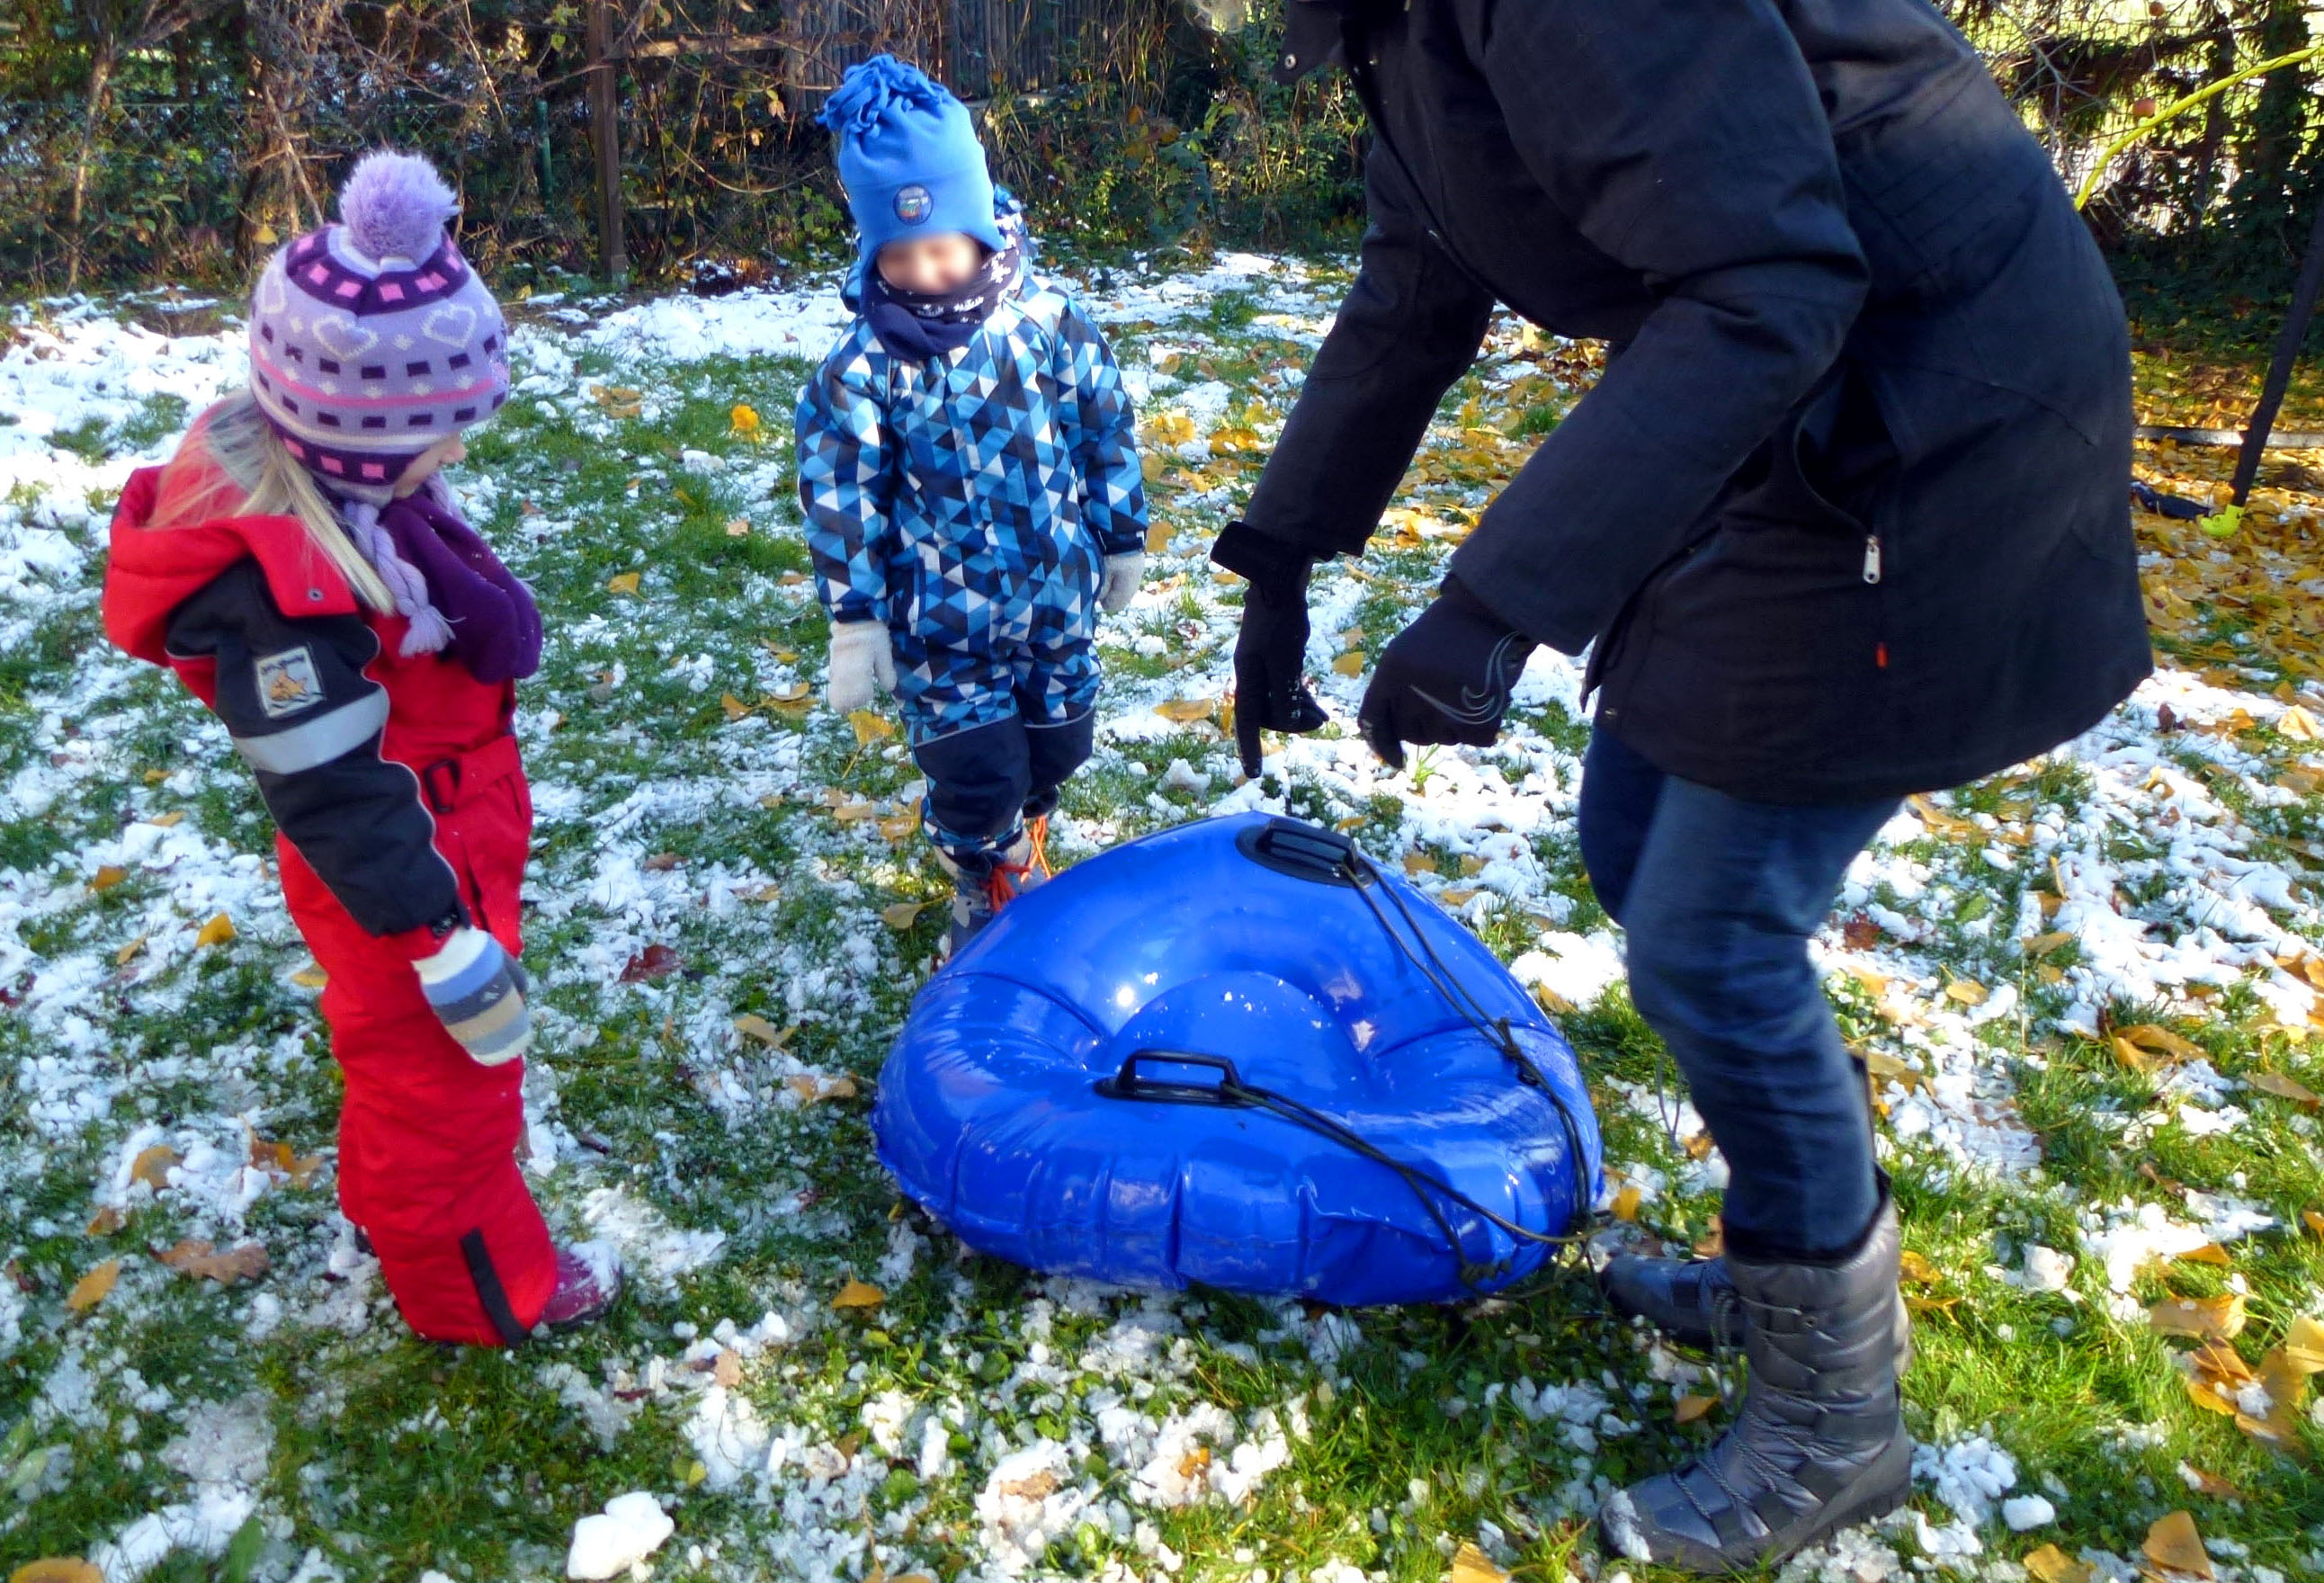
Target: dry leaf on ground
[[859, 1294], [2210, 1319], [1472, 1565], [752, 1025], [2173, 1544], [2052, 1565], [195, 1257], [94, 1287]]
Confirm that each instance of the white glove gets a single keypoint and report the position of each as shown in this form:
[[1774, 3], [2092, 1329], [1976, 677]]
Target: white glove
[[861, 654], [1119, 583]]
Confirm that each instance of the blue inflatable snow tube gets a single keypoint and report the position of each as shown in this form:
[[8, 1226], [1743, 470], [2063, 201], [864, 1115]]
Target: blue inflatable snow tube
[[1237, 1053]]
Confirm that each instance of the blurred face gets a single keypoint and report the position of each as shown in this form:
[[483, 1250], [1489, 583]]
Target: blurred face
[[443, 454], [929, 266]]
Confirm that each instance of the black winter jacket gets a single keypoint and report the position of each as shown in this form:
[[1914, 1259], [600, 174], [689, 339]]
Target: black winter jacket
[[1846, 515]]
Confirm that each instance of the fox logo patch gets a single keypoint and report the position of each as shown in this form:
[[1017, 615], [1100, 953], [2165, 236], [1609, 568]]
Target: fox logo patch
[[288, 682]]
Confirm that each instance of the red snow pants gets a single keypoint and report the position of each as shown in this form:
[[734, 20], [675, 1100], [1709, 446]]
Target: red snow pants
[[428, 1139]]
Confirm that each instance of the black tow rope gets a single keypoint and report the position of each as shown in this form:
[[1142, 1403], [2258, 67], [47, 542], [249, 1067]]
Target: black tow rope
[[1354, 868]]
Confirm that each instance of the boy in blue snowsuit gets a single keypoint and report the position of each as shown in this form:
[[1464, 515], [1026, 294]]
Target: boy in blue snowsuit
[[970, 477]]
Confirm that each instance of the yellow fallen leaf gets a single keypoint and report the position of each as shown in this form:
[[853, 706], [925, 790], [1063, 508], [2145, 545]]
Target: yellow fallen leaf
[[1942, 823], [2208, 1397], [734, 708], [625, 583], [122, 955], [1184, 711], [274, 1155], [311, 976], [1472, 1565], [216, 932], [1914, 1269], [859, 1294], [854, 812], [1916, 1304], [2210, 1253], [738, 528], [2052, 1565], [2208, 1319], [151, 1166], [169, 820], [1235, 439], [2303, 1346], [2313, 1221], [1887, 1068], [2297, 724], [812, 1089], [2044, 944], [2148, 1035], [107, 877], [901, 826], [1967, 991], [1166, 429], [2173, 1544], [1627, 1202], [1350, 664], [1158, 537], [194, 1257], [1687, 1409], [2211, 1483], [1419, 863], [63, 1568], [94, 1287], [902, 915], [871, 726], [2130, 1055], [2284, 1088], [752, 1025]]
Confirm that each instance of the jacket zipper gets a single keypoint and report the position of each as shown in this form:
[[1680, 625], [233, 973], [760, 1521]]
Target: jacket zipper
[[1872, 557]]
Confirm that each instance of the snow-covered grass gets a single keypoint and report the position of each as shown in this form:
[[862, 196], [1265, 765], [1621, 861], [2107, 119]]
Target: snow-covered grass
[[982, 1423]]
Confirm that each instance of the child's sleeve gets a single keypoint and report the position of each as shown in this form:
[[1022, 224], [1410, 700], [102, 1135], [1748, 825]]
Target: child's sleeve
[[294, 696], [1102, 428], [846, 489]]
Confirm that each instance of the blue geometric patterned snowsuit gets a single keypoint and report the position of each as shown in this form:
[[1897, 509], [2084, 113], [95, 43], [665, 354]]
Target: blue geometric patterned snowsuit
[[969, 501]]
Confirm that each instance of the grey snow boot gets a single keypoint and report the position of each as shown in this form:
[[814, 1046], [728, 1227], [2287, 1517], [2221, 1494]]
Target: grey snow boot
[[1820, 1443], [982, 888]]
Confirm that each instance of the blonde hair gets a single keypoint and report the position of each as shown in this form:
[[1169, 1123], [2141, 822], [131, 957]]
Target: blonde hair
[[253, 474]]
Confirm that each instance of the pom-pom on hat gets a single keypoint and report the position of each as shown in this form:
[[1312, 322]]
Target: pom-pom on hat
[[908, 157], [372, 339]]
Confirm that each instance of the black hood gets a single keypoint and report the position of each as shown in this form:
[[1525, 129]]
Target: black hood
[[1313, 33]]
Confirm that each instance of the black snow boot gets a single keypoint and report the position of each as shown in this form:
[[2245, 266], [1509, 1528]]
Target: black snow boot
[[1820, 1444], [1693, 1301]]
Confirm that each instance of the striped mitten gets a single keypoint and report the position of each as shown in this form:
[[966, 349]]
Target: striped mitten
[[478, 990]]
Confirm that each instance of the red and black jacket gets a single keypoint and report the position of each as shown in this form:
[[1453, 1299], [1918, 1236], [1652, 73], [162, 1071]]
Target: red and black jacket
[[348, 739]]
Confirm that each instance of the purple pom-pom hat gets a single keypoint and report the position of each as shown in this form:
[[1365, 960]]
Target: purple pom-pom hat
[[372, 339]]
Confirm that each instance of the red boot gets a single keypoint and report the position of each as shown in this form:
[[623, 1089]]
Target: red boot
[[586, 1289]]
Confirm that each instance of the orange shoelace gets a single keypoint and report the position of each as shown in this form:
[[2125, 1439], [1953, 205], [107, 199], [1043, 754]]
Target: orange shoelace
[[1009, 881]]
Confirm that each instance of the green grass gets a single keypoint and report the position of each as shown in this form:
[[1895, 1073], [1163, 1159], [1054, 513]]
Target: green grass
[[1423, 1428]]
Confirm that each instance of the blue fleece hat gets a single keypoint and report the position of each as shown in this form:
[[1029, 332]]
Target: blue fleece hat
[[908, 157]]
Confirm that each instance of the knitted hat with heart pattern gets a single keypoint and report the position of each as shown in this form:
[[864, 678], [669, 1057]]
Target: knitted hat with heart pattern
[[372, 339]]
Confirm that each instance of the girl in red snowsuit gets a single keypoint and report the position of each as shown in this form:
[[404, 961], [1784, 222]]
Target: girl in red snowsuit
[[300, 568]]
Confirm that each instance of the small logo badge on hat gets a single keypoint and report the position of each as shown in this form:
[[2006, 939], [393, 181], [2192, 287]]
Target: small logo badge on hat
[[913, 204]]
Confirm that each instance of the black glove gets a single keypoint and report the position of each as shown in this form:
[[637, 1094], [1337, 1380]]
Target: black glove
[[1271, 648], [1445, 678]]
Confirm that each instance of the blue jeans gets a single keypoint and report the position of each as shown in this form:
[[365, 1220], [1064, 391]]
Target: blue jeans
[[1719, 896]]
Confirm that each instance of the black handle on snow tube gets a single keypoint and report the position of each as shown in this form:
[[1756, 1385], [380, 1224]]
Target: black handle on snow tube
[[1129, 1084]]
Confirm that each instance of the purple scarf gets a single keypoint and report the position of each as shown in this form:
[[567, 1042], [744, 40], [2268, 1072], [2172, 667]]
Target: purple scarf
[[466, 603]]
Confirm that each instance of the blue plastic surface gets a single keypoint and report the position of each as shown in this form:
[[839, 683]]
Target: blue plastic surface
[[990, 1114]]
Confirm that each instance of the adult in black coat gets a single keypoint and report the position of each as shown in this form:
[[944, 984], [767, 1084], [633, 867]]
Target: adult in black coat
[[1845, 517]]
